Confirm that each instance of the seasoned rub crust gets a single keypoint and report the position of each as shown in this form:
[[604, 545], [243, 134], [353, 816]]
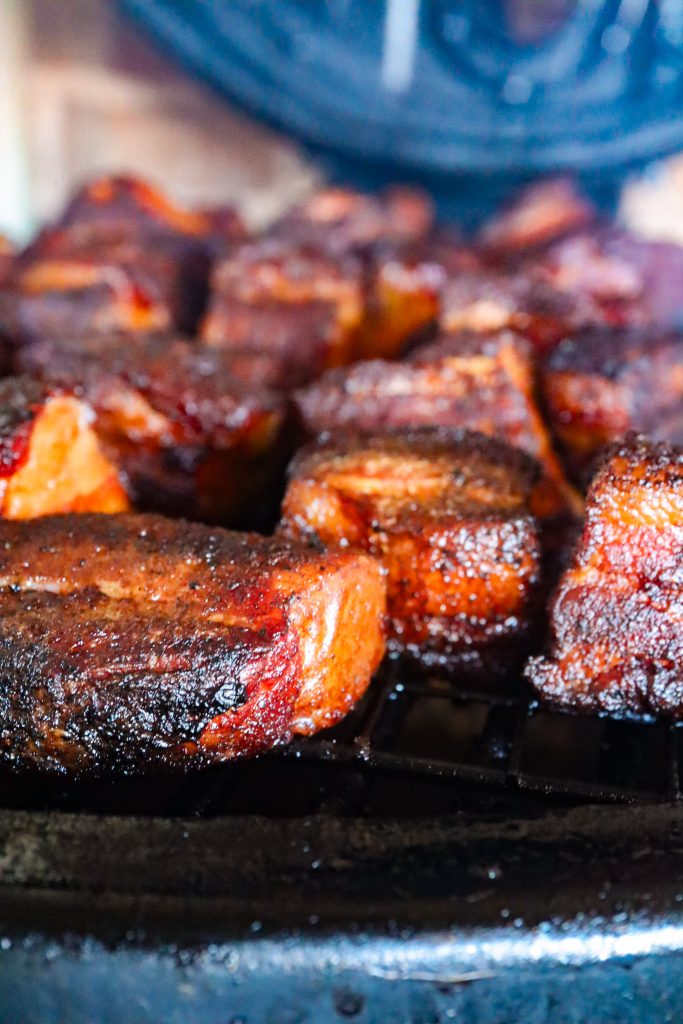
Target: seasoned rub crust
[[601, 383], [616, 619], [133, 641], [447, 513], [614, 278]]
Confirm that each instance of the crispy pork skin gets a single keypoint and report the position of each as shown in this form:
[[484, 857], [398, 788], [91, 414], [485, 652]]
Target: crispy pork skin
[[603, 382], [616, 641], [187, 437], [478, 382], [293, 310], [138, 643], [447, 513], [50, 457]]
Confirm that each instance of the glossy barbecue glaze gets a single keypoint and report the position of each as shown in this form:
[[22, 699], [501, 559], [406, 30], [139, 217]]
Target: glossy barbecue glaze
[[447, 514], [616, 618], [203, 645]]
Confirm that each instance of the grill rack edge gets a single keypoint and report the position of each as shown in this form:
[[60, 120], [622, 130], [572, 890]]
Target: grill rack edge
[[416, 746]]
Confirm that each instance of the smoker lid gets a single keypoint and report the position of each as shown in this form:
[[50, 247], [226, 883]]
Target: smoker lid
[[505, 89]]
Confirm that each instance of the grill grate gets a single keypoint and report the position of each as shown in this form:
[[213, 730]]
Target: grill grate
[[414, 747]]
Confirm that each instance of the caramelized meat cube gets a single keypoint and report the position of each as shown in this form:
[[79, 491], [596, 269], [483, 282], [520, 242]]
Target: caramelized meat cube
[[617, 641], [122, 204], [339, 220], [188, 438], [137, 643], [538, 215], [447, 514], [390, 234], [61, 287], [603, 382], [478, 382], [615, 278], [50, 457], [293, 304], [488, 300], [405, 289]]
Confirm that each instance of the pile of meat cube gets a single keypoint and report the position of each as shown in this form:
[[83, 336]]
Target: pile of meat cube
[[237, 472]]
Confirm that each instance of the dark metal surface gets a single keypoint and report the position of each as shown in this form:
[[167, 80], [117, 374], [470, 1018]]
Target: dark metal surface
[[572, 917], [440, 856]]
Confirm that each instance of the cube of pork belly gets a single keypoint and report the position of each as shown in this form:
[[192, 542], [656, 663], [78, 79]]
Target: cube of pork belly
[[537, 216], [617, 621], [487, 300], [478, 382], [62, 287], [601, 383], [342, 221], [405, 284], [447, 514], [615, 278], [138, 643], [189, 438], [50, 457], [294, 304], [122, 204]]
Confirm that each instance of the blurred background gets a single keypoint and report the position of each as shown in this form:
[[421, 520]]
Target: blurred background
[[256, 100]]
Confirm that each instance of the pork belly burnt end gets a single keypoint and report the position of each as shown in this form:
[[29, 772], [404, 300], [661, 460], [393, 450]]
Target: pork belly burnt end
[[447, 514], [478, 382], [138, 643], [122, 205], [614, 278], [617, 641], [188, 438], [291, 310], [342, 221], [405, 288], [488, 300], [50, 457], [601, 383], [64, 287], [539, 215]]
